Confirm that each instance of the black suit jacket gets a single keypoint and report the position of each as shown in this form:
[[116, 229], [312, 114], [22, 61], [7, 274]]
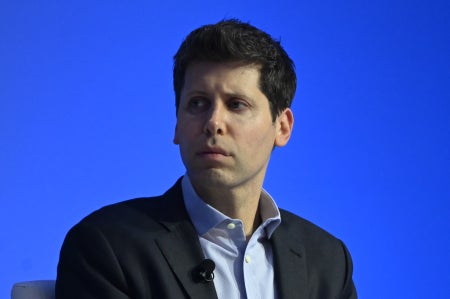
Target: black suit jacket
[[148, 248]]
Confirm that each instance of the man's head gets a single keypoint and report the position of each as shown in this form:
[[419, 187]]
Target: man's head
[[235, 41]]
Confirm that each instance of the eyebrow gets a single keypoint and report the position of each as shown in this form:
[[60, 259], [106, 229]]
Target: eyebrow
[[196, 92], [206, 94]]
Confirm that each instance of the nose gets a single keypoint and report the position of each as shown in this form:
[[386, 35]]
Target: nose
[[215, 121]]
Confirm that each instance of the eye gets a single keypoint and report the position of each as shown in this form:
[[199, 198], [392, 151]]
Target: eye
[[237, 104], [198, 105]]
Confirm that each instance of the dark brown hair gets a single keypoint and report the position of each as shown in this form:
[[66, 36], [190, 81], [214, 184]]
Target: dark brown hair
[[236, 41]]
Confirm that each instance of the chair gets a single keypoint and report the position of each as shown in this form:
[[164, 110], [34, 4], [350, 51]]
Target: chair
[[37, 289]]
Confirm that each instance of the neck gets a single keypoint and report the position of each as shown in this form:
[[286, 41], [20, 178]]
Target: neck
[[236, 203]]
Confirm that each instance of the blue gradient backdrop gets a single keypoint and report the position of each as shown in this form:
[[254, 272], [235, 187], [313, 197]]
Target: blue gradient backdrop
[[87, 116]]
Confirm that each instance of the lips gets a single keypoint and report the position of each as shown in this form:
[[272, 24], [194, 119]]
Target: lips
[[213, 151]]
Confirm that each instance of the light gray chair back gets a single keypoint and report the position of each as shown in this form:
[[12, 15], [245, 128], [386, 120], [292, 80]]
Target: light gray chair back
[[37, 289]]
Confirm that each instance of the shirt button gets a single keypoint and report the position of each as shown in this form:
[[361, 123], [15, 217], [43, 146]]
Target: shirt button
[[231, 225], [247, 259]]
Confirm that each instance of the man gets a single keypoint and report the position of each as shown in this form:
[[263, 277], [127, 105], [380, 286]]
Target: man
[[216, 233]]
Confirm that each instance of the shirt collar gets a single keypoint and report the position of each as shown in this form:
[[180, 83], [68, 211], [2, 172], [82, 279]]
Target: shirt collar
[[205, 217]]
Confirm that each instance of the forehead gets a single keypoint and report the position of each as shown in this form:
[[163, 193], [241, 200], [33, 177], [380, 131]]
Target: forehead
[[237, 74]]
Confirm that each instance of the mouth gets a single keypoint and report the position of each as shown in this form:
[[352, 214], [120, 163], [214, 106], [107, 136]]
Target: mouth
[[213, 152]]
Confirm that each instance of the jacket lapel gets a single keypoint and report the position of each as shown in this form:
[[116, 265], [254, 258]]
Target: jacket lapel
[[181, 247], [289, 264]]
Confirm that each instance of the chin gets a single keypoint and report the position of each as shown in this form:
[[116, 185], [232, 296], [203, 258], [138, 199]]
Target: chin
[[211, 177]]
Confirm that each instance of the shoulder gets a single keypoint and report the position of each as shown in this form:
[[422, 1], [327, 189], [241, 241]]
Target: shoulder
[[318, 244], [139, 216], [304, 229], [162, 208], [127, 212]]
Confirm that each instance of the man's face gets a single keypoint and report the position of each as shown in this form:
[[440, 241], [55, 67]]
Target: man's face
[[224, 125]]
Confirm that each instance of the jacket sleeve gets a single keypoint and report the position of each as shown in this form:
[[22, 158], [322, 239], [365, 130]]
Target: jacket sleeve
[[88, 267]]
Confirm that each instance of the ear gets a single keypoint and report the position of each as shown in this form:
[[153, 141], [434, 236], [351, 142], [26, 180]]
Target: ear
[[284, 124], [175, 135]]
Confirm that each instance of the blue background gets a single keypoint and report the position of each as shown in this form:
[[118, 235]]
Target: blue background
[[87, 118]]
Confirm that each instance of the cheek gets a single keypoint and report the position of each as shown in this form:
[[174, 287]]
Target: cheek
[[259, 140], [186, 133], [180, 134]]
